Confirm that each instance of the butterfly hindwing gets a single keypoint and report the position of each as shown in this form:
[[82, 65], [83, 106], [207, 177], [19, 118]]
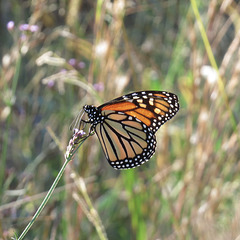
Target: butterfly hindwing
[[127, 144]]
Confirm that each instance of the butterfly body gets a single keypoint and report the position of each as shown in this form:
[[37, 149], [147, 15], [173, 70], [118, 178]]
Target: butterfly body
[[94, 114], [126, 126]]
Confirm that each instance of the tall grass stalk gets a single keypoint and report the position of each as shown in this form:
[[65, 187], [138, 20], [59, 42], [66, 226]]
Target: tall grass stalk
[[6, 132], [213, 63], [87, 207], [135, 204]]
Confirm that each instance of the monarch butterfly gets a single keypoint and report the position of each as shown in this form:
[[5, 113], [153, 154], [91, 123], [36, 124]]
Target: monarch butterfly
[[126, 126]]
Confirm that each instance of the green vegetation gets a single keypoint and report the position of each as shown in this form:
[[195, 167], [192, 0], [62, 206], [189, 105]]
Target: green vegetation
[[57, 56]]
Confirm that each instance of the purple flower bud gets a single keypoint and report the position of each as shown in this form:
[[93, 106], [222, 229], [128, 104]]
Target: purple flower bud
[[81, 65], [33, 28], [24, 27], [50, 83], [99, 87], [78, 133], [10, 25], [72, 61]]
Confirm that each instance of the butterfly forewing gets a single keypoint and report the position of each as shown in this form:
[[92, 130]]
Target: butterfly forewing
[[153, 108], [126, 125]]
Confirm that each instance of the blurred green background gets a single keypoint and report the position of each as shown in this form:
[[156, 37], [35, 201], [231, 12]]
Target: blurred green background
[[57, 56]]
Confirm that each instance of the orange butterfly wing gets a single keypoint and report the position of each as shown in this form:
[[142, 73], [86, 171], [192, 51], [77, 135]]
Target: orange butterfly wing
[[126, 125]]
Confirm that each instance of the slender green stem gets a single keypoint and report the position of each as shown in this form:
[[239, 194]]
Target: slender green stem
[[4, 154], [44, 202]]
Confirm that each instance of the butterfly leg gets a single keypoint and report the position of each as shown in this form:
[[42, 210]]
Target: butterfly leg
[[83, 124]]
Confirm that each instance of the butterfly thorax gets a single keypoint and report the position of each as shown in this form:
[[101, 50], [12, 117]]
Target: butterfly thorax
[[94, 114]]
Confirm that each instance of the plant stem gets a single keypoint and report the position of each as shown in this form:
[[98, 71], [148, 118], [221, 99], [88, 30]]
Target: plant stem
[[213, 62], [6, 133], [44, 202]]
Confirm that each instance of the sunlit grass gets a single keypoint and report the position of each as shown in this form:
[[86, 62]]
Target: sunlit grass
[[89, 53]]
